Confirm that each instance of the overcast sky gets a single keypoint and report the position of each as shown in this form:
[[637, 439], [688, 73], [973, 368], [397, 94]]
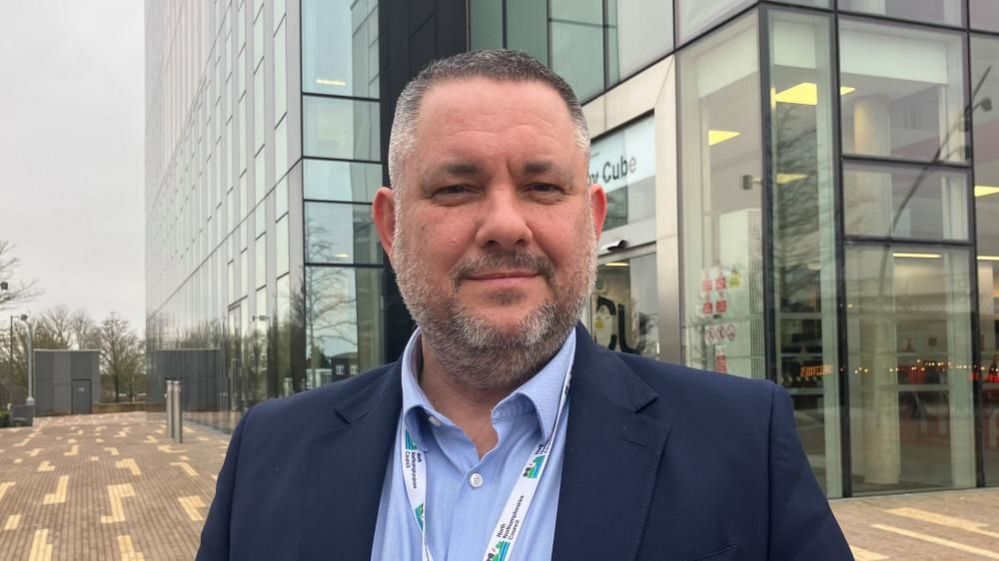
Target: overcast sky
[[71, 151]]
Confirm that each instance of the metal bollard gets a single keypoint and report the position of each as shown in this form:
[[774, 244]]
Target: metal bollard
[[168, 396], [178, 422]]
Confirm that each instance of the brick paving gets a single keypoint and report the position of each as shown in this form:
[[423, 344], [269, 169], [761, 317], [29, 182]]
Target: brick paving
[[109, 486], [114, 487]]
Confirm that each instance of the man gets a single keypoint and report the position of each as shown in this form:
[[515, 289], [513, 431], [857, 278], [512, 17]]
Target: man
[[504, 432]]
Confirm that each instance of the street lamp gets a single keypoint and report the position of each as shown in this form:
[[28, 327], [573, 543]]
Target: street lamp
[[31, 371]]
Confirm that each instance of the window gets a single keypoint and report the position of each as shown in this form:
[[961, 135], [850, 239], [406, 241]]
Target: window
[[341, 181], [577, 28], [638, 33], [340, 47], [624, 163], [341, 128], [340, 234], [696, 16], [624, 306], [930, 11]]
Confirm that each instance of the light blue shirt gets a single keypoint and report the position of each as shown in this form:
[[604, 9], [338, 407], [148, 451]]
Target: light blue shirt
[[460, 517]]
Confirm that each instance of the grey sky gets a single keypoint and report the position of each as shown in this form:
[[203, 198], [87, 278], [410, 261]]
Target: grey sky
[[71, 151]]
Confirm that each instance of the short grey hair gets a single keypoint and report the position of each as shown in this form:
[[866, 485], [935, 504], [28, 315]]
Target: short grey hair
[[501, 65]]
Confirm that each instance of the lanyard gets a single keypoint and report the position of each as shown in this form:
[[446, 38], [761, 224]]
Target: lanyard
[[510, 523]]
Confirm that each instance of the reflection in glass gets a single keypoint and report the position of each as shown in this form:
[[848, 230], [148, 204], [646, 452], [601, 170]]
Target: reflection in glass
[[341, 308], [929, 11], [696, 16], [624, 306], [281, 245], [902, 92], [905, 201], [527, 27], [282, 339], [341, 181], [909, 326], [638, 33], [624, 163], [577, 40], [983, 14], [985, 133], [340, 128], [485, 24], [720, 152], [804, 233], [340, 47], [338, 233]]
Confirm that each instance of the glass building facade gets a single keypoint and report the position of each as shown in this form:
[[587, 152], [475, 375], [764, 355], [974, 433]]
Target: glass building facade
[[800, 191]]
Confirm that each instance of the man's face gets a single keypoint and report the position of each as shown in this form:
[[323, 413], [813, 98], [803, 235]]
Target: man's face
[[497, 222]]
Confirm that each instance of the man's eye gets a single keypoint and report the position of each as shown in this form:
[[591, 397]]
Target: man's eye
[[453, 190], [545, 188]]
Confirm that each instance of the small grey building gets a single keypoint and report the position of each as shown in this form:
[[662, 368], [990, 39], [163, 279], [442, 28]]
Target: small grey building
[[66, 381]]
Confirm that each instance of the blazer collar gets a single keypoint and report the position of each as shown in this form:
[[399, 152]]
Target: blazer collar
[[613, 450]]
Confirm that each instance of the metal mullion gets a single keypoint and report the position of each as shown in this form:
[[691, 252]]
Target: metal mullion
[[766, 198], [900, 163], [338, 96], [344, 160], [899, 22], [923, 242], [842, 320]]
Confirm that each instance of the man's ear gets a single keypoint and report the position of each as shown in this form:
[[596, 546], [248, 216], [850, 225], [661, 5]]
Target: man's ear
[[383, 214], [598, 203]]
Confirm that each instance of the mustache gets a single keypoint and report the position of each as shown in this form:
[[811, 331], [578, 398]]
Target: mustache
[[499, 261]]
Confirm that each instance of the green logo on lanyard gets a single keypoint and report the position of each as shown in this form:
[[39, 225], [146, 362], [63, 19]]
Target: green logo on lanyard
[[500, 552], [532, 470], [419, 516], [410, 445]]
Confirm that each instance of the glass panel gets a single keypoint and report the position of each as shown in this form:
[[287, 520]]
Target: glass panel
[[905, 202], [282, 347], [696, 16], [342, 322], [625, 164], [638, 33], [983, 14], [577, 30], [341, 128], [339, 38], [527, 27], [720, 155], [985, 134], [485, 24], [257, 356], [909, 329], [902, 92], [340, 234], [280, 75], [804, 233], [930, 11], [259, 183], [243, 134], [260, 255], [281, 245], [341, 181], [281, 149], [624, 308], [258, 110], [281, 198]]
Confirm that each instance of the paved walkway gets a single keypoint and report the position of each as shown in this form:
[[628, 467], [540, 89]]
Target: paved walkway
[[108, 487], [113, 487]]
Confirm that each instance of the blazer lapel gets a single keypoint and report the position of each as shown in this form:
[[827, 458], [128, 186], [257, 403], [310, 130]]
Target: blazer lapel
[[612, 456], [347, 472]]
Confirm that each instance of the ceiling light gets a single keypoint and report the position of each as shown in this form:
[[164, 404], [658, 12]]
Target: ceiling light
[[783, 178], [988, 257], [805, 93], [917, 255], [324, 82], [717, 137], [985, 190], [616, 264]]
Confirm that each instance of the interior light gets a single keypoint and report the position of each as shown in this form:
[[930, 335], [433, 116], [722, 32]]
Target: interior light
[[717, 137], [805, 93], [988, 257], [917, 255], [342, 256], [985, 190], [324, 82], [616, 264], [783, 178]]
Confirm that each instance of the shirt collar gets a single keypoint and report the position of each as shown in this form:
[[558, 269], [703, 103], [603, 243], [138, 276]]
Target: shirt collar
[[542, 391]]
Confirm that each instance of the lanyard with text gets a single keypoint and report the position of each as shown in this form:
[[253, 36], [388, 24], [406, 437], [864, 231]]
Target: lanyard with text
[[504, 536]]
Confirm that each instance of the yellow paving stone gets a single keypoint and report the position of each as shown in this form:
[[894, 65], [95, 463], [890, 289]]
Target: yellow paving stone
[[13, 523], [130, 465], [100, 441], [46, 466], [186, 467], [18, 460], [59, 496], [4, 486], [116, 496], [943, 520], [185, 458], [150, 439], [41, 549], [203, 438], [128, 552], [71, 441], [861, 554], [25, 441], [168, 449], [937, 541], [73, 451], [215, 477], [191, 506], [34, 452], [94, 458], [112, 450]]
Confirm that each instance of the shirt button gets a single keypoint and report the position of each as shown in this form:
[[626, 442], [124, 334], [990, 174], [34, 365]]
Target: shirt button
[[475, 481], [434, 421]]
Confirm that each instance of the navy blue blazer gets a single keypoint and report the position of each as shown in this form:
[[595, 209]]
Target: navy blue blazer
[[661, 463]]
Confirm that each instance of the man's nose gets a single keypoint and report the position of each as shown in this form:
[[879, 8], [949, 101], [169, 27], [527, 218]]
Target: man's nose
[[503, 224]]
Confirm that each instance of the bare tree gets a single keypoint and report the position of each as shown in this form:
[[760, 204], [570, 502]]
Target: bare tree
[[52, 329], [86, 334], [122, 354], [17, 291]]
